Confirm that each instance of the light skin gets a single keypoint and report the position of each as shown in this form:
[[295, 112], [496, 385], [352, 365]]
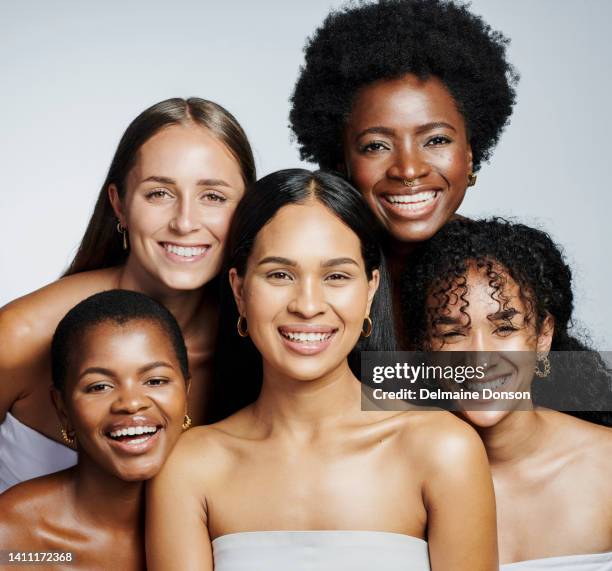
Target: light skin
[[298, 457], [181, 192], [119, 377], [550, 470]]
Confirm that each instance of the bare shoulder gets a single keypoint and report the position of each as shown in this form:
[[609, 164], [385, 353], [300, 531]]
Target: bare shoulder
[[27, 323], [205, 452], [24, 505], [440, 439], [590, 445]]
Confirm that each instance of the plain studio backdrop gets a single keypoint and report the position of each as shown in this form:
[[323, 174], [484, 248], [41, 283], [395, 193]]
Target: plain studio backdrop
[[74, 74]]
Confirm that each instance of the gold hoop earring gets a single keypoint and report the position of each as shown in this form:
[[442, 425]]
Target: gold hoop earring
[[187, 422], [472, 179], [68, 440], [366, 329], [542, 367], [123, 231], [242, 331], [408, 181]]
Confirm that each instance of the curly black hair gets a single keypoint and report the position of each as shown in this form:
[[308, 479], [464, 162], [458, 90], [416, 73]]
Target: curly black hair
[[437, 270], [363, 43]]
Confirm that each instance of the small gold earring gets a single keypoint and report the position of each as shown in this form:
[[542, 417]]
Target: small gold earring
[[242, 327], [366, 329], [123, 231], [542, 367], [187, 422], [68, 440], [472, 179]]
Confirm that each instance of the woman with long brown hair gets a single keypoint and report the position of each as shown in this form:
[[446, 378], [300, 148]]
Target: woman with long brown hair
[[159, 228]]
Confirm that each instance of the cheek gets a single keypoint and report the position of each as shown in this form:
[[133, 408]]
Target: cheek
[[218, 221], [145, 219]]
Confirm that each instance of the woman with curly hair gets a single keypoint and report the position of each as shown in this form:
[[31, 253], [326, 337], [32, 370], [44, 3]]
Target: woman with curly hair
[[406, 98], [503, 291]]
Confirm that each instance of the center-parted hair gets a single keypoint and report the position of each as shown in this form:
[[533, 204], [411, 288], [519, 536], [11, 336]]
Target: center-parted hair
[[239, 375], [367, 42], [115, 306]]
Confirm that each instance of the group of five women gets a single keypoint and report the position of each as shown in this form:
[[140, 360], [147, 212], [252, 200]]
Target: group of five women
[[199, 294]]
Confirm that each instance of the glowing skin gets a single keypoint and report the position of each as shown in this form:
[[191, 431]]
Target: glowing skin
[[181, 195], [125, 377], [411, 129], [305, 292]]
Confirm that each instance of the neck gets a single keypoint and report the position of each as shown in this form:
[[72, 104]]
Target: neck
[[514, 438], [186, 305], [303, 408], [105, 500]]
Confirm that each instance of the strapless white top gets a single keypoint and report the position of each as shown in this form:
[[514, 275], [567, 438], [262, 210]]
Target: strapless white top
[[590, 562], [26, 453], [319, 551]]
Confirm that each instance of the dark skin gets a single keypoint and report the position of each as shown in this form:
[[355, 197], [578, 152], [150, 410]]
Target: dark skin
[[95, 510], [400, 130]]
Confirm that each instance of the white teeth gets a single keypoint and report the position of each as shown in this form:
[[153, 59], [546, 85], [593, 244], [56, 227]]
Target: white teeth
[[306, 337], [132, 431], [494, 385], [411, 201], [185, 251]]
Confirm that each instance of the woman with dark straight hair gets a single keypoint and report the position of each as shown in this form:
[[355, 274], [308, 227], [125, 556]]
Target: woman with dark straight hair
[[158, 227], [303, 476]]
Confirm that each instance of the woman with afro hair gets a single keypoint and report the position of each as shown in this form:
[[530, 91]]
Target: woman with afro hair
[[501, 291], [406, 98]]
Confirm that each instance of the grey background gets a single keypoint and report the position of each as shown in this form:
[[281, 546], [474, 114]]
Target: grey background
[[74, 74]]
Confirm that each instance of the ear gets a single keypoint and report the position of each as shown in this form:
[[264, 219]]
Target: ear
[[60, 409], [546, 335], [187, 387], [373, 288], [115, 200], [470, 158], [236, 284]]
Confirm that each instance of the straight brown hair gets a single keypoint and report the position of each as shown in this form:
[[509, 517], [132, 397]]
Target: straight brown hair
[[101, 246]]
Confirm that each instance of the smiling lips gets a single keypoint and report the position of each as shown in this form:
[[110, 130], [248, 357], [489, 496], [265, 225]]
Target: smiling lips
[[307, 339], [183, 252], [412, 205], [134, 437]]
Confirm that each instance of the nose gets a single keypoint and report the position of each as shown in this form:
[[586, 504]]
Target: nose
[[409, 163], [130, 399], [309, 299], [185, 217], [481, 352]]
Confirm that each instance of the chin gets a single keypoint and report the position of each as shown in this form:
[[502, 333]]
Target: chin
[[484, 418], [186, 281]]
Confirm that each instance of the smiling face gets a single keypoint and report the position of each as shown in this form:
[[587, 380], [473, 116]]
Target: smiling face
[[180, 198], [503, 340], [125, 398], [305, 292], [402, 131]]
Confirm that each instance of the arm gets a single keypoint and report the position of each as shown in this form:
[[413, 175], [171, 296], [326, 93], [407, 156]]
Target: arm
[[176, 520], [459, 498]]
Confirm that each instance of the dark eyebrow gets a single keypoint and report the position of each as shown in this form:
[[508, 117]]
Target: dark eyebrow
[[201, 182], [154, 365], [110, 373], [435, 125], [98, 370], [277, 260], [338, 262], [447, 320], [377, 130], [505, 315]]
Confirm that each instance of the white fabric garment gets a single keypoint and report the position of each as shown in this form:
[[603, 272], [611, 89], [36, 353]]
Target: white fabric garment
[[589, 562], [26, 453], [320, 551]]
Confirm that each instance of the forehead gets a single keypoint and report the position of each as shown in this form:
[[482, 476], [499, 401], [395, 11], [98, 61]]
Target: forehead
[[187, 148], [129, 345], [405, 100], [485, 291], [307, 231]]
